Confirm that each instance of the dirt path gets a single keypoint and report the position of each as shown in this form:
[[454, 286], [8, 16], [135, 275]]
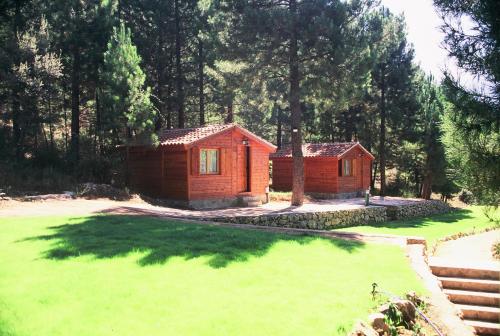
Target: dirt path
[[137, 207], [474, 250]]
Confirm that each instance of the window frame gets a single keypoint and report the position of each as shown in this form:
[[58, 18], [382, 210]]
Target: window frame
[[349, 163], [208, 159]]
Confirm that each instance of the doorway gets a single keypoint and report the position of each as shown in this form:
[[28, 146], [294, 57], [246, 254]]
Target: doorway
[[244, 169]]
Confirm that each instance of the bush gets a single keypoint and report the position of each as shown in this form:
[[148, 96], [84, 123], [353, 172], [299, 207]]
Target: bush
[[466, 196], [496, 250]]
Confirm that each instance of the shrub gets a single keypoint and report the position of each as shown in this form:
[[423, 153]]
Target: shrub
[[466, 196], [495, 249]]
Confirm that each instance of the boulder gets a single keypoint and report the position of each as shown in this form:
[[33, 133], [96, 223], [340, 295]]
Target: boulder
[[361, 329], [377, 321], [406, 308]]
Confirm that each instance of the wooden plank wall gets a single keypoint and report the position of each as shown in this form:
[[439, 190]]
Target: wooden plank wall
[[145, 171], [230, 180], [212, 186], [361, 179], [175, 184]]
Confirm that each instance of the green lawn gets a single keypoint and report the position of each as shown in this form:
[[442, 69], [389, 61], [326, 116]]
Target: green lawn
[[117, 275], [432, 228]]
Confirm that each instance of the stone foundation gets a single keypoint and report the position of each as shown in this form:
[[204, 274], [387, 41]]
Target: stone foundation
[[313, 220], [206, 204], [336, 195]]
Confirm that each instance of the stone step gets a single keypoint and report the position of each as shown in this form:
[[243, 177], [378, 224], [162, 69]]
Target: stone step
[[249, 198], [253, 203], [473, 298], [443, 270], [481, 313], [479, 285], [484, 328]]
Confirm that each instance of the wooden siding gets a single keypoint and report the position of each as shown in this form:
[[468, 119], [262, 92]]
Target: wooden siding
[[173, 173], [231, 178], [158, 172], [144, 169], [360, 180]]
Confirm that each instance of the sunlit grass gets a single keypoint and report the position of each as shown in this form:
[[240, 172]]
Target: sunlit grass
[[434, 227], [114, 275]]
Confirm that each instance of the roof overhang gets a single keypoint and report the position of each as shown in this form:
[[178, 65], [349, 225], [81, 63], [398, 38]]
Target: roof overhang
[[357, 145]]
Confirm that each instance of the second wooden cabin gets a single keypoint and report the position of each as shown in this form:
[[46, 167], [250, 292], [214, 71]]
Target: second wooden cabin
[[333, 170]]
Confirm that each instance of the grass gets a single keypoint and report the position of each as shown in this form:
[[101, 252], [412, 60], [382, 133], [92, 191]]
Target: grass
[[432, 228], [118, 275]]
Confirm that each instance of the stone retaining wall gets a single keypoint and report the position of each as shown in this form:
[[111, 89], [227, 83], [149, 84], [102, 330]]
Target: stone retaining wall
[[417, 209], [341, 218], [313, 220]]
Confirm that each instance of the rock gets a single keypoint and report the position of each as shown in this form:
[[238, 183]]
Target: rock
[[377, 321], [93, 190], [406, 308], [361, 329], [414, 298]]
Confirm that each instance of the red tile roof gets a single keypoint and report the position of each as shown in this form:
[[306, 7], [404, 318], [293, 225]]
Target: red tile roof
[[189, 136], [332, 149], [185, 136]]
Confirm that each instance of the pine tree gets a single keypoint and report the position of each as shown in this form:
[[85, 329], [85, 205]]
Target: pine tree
[[472, 123], [126, 106]]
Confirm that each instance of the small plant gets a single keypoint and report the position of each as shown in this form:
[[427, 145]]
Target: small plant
[[495, 249], [393, 319]]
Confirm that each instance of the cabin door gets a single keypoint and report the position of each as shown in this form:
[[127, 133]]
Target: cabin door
[[243, 168]]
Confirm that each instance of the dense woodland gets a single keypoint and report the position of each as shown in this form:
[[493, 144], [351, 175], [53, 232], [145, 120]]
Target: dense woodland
[[79, 77]]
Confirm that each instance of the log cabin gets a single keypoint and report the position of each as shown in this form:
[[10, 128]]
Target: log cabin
[[331, 170], [206, 167]]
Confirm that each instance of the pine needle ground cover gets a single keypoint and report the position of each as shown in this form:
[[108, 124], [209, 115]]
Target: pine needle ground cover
[[119, 275], [471, 219]]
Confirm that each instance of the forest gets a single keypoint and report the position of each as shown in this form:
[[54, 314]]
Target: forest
[[79, 78]]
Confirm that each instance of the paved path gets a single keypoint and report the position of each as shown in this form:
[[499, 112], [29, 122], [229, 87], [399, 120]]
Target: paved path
[[79, 206], [472, 250]]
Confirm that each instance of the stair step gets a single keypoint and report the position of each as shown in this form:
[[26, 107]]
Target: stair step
[[484, 328], [482, 313], [250, 198], [442, 270], [473, 298], [480, 285], [253, 203]]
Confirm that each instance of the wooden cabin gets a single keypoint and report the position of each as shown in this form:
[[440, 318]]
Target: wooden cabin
[[205, 167], [331, 170]]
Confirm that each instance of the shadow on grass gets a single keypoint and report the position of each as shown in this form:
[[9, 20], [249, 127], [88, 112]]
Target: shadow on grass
[[113, 236], [449, 218]]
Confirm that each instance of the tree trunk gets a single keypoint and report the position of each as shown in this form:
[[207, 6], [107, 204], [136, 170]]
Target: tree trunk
[[295, 111], [201, 81], [382, 153], [180, 75], [279, 131], [16, 107], [427, 181], [374, 175], [229, 112], [75, 106], [169, 106], [160, 68]]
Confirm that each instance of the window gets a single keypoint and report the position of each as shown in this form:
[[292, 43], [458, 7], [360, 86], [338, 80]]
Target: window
[[347, 167], [209, 161]]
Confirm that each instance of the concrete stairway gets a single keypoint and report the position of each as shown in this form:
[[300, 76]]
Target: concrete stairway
[[250, 201], [475, 291]]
